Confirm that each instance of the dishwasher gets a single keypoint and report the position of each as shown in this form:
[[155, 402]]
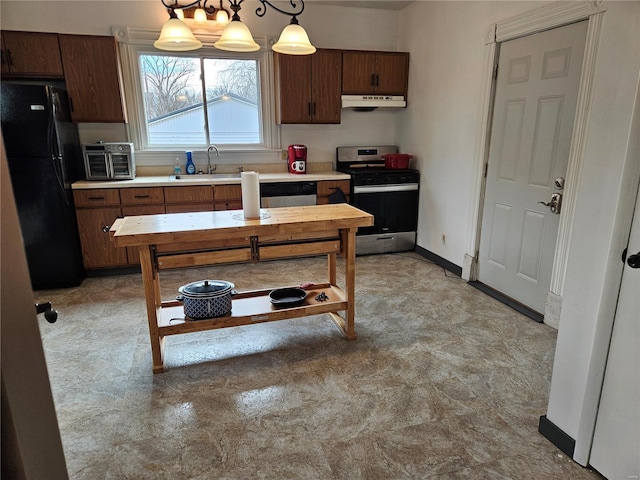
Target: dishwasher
[[288, 194]]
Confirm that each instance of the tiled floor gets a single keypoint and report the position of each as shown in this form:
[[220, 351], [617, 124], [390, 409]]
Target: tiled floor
[[443, 382]]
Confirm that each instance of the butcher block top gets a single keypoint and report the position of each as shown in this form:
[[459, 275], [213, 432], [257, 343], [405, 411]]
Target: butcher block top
[[226, 224]]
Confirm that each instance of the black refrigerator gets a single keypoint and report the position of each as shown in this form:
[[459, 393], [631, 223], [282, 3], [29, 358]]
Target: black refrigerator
[[45, 158]]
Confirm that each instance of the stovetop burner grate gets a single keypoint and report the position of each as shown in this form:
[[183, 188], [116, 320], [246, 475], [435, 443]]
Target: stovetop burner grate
[[366, 166]]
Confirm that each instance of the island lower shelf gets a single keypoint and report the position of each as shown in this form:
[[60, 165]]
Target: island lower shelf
[[252, 307]]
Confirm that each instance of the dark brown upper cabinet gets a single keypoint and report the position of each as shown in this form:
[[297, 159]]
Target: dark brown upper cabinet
[[381, 73], [30, 54], [92, 75], [308, 87]]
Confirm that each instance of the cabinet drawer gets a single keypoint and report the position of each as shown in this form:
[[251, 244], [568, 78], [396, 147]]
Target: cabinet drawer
[[330, 186], [188, 194], [98, 197], [136, 196], [227, 192]]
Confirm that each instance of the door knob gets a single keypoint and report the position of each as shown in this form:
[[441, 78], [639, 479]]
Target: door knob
[[634, 260], [555, 203]]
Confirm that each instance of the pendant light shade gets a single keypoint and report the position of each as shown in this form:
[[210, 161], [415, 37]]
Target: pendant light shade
[[176, 36], [236, 37], [222, 17], [294, 41], [200, 16]]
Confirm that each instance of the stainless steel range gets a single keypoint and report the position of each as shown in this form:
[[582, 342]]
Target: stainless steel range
[[390, 195]]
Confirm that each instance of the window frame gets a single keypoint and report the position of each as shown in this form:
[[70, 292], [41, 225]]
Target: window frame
[[135, 43]]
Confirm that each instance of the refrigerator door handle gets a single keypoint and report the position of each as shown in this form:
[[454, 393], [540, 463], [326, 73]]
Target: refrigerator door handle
[[56, 147]]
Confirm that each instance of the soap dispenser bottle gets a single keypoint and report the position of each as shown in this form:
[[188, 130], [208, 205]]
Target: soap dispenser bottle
[[190, 168]]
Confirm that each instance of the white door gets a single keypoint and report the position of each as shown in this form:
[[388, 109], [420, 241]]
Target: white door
[[616, 442], [534, 109]]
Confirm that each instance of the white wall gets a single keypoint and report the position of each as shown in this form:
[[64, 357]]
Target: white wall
[[328, 27], [440, 124], [605, 199], [446, 41]]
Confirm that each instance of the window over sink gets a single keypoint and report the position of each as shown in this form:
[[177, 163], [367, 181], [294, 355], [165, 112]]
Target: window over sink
[[176, 89], [179, 101]]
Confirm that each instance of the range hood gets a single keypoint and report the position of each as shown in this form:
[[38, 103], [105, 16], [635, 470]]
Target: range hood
[[370, 102]]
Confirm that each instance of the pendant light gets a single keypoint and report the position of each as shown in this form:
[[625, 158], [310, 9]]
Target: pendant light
[[200, 16], [294, 40], [236, 37], [222, 16], [176, 36]]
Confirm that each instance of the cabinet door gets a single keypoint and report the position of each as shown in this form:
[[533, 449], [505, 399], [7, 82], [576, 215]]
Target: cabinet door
[[326, 69], [92, 77], [4, 63], [227, 197], [358, 72], [189, 207], [31, 54], [98, 250], [392, 73], [133, 254], [190, 194], [293, 74]]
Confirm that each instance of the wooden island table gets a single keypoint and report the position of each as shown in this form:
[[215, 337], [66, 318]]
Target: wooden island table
[[196, 239]]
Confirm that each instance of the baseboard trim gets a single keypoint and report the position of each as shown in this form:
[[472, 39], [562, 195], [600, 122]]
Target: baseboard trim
[[107, 272], [556, 436], [438, 260], [532, 314]]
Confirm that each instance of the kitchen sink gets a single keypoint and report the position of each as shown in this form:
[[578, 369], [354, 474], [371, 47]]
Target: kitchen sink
[[204, 176]]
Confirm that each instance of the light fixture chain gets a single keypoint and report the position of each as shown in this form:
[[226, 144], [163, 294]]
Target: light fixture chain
[[262, 9]]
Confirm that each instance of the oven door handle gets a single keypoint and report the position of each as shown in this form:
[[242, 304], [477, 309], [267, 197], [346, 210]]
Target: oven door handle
[[406, 187]]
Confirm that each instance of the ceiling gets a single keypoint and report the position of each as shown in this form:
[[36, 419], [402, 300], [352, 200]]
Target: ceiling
[[381, 4]]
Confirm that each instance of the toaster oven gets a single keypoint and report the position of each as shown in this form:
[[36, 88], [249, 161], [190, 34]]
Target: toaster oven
[[109, 161]]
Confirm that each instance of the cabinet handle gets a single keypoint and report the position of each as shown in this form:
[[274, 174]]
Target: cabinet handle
[[309, 108], [314, 108], [373, 79], [9, 57], [96, 198], [141, 196], [377, 80], [106, 228]]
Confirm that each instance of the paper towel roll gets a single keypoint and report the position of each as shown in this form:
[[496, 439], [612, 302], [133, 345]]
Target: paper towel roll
[[250, 194]]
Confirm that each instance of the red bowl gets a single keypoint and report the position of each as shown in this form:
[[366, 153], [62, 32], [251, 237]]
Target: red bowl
[[397, 160]]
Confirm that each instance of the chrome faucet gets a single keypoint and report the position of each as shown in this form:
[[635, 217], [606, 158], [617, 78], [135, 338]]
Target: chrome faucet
[[209, 168]]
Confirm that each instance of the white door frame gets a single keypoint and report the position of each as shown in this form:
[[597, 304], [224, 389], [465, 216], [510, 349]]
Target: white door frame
[[534, 21]]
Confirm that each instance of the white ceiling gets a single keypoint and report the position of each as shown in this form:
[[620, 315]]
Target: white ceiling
[[382, 4]]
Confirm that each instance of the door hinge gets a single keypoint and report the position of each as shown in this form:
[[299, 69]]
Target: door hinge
[[495, 71], [486, 168]]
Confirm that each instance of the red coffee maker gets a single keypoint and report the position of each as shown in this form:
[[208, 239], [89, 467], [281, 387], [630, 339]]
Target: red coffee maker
[[297, 159]]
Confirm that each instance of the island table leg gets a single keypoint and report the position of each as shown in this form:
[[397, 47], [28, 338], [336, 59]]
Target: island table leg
[[350, 282], [151, 282]]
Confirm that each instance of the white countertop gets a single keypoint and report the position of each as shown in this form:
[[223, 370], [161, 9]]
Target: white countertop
[[170, 181]]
